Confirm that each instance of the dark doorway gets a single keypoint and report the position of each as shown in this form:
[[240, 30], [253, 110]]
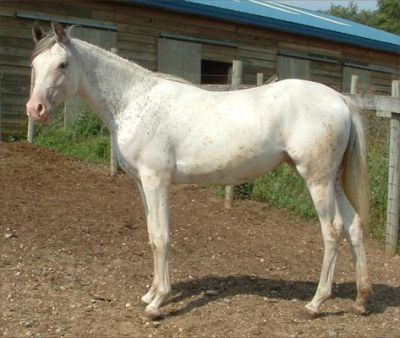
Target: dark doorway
[[214, 72]]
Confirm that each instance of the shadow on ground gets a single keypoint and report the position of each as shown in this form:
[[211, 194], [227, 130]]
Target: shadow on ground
[[384, 296]]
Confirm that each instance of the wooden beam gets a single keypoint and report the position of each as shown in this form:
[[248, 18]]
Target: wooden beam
[[384, 105]]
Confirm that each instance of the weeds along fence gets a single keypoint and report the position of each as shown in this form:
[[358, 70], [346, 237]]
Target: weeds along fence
[[284, 189], [386, 108]]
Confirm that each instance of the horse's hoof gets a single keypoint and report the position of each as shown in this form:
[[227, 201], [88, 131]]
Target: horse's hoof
[[151, 314], [306, 314], [359, 310]]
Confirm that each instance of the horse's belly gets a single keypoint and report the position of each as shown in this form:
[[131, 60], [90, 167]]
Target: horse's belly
[[231, 170]]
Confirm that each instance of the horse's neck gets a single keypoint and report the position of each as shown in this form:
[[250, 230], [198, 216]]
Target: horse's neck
[[109, 82]]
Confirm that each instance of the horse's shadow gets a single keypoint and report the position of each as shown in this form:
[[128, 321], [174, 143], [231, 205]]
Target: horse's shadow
[[212, 288]]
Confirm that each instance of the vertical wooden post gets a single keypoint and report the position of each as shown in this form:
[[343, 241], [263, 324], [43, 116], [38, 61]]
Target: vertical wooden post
[[354, 84], [31, 124], [113, 157], [393, 206], [260, 79], [237, 72], [1, 105]]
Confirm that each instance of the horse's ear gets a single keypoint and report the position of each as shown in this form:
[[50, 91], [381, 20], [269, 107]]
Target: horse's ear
[[37, 32], [60, 33]]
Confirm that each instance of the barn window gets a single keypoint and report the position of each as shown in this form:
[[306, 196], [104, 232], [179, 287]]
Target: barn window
[[181, 55], [215, 72]]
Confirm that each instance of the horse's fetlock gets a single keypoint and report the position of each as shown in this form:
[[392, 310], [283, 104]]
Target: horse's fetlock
[[325, 292], [164, 292], [364, 290]]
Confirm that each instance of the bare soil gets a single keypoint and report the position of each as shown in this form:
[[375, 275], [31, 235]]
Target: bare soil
[[75, 260]]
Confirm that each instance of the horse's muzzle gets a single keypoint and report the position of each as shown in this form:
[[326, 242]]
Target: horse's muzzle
[[37, 111]]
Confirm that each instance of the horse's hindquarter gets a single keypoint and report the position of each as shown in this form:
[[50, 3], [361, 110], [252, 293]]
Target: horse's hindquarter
[[226, 137], [320, 130]]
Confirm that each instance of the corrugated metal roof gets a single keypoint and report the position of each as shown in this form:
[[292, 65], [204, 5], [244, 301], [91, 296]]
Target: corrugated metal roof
[[272, 14]]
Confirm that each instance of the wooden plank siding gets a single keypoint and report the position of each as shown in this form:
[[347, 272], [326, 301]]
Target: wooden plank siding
[[138, 31], [15, 49]]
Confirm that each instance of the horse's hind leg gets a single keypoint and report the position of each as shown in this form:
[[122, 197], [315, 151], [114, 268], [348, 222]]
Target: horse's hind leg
[[354, 235], [323, 195]]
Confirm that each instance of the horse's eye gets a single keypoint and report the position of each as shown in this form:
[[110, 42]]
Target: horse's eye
[[63, 65]]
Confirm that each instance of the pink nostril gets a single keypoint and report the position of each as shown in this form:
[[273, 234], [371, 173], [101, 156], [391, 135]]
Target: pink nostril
[[40, 109]]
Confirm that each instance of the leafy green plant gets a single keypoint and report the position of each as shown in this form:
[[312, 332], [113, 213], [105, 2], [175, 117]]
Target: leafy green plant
[[87, 138], [285, 189]]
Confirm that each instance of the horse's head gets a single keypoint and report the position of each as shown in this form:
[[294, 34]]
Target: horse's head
[[55, 72]]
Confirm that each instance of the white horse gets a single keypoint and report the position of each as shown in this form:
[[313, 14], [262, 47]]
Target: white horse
[[169, 132]]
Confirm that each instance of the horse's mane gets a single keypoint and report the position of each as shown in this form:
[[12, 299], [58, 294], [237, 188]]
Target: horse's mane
[[49, 40]]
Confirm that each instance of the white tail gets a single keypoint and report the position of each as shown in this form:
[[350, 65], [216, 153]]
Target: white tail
[[355, 167]]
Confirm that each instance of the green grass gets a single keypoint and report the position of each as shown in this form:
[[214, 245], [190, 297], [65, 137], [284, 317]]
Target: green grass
[[86, 139], [378, 169], [284, 189]]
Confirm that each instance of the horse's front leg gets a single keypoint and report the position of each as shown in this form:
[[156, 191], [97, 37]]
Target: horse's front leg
[[156, 194]]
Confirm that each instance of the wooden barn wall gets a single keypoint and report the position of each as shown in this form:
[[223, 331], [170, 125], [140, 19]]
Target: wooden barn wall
[[138, 31], [15, 49]]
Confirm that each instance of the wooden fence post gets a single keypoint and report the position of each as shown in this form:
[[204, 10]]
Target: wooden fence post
[[113, 157], [260, 79], [354, 84], [31, 124], [1, 102], [393, 206], [237, 71]]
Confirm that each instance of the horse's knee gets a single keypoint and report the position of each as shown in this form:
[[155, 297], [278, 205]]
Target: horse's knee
[[159, 243], [335, 230], [331, 235]]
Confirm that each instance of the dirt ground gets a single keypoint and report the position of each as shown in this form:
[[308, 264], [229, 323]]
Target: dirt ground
[[75, 260]]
